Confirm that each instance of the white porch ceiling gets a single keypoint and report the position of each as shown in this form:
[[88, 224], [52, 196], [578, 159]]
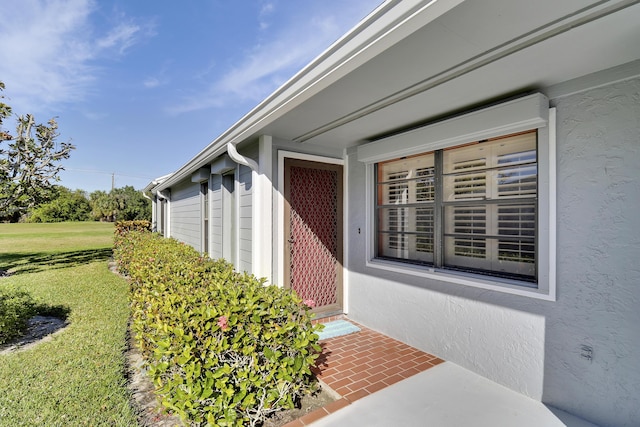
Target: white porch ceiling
[[478, 52]]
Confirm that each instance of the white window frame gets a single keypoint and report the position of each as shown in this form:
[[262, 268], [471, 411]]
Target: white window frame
[[527, 113]]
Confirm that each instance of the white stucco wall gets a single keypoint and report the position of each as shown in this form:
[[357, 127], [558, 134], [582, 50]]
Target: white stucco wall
[[598, 257], [186, 224], [529, 345]]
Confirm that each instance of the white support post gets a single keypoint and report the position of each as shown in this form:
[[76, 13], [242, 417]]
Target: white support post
[[263, 211]]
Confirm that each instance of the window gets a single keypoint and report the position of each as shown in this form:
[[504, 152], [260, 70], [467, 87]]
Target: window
[[467, 208], [469, 200], [406, 194]]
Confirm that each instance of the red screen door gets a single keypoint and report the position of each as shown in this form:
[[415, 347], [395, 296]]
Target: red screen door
[[313, 232]]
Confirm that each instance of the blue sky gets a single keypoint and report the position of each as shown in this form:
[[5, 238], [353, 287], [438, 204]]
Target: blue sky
[[141, 86]]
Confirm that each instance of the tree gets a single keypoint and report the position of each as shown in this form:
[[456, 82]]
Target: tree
[[29, 162], [124, 203], [102, 206], [66, 206], [131, 204]]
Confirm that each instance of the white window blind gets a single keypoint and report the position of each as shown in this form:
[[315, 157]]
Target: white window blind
[[406, 194], [484, 207]]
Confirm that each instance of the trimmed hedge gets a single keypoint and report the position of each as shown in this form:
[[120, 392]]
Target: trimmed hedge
[[222, 348], [123, 227]]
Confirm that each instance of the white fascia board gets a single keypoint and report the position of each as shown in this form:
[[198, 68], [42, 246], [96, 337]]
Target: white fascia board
[[510, 117], [150, 186], [388, 24]]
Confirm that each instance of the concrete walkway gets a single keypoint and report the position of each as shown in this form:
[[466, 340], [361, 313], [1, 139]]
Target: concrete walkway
[[447, 395]]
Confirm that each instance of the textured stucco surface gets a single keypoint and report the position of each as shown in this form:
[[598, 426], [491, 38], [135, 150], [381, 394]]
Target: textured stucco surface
[[598, 257], [534, 346]]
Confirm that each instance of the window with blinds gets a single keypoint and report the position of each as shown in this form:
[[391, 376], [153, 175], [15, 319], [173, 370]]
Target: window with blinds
[[406, 193], [469, 208]]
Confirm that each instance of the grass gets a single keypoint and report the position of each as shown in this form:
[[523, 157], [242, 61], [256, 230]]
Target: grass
[[29, 248], [77, 378]]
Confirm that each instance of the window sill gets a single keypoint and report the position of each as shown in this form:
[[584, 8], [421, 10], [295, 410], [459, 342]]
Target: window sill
[[512, 287]]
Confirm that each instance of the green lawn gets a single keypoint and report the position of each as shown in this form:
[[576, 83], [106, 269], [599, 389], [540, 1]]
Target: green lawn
[[77, 378]]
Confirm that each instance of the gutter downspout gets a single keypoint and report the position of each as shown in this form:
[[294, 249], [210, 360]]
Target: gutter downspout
[[239, 158], [260, 221]]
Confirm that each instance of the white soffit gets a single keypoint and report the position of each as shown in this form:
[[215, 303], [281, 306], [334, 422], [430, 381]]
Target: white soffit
[[573, 52]]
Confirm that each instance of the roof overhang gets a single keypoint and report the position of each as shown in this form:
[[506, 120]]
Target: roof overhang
[[414, 62], [152, 186]]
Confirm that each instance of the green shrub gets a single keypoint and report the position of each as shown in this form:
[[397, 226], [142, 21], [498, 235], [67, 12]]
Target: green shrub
[[67, 205], [222, 348], [123, 227], [16, 308]]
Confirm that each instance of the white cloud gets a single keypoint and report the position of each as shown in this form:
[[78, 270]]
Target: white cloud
[[152, 82], [160, 78], [266, 10], [121, 37], [49, 50], [95, 116], [295, 41], [40, 56]]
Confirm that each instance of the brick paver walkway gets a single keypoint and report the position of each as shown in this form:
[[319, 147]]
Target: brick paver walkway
[[362, 363]]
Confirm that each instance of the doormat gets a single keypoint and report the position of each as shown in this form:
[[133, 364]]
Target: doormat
[[337, 328]]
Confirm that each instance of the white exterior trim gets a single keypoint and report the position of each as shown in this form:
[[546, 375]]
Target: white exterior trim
[[345, 231], [553, 172], [282, 154], [262, 211]]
